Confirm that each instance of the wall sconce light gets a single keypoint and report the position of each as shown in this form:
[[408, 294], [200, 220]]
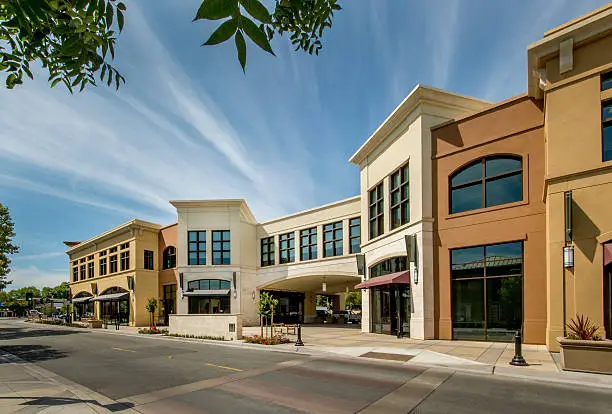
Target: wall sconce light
[[324, 287], [235, 294], [253, 295], [346, 290], [568, 257]]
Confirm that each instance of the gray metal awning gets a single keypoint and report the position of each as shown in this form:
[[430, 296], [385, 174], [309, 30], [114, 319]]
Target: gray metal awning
[[111, 297], [219, 292], [81, 300]]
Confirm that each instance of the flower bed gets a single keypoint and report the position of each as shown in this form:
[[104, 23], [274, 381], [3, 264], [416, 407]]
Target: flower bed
[[153, 330], [270, 340], [213, 338]]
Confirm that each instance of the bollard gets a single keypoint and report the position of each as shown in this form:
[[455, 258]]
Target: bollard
[[518, 359], [299, 336]]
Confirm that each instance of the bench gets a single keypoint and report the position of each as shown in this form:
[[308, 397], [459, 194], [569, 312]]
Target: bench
[[281, 328]]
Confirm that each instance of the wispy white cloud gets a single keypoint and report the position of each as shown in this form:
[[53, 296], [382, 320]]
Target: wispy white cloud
[[38, 256], [163, 138], [34, 276], [443, 26]]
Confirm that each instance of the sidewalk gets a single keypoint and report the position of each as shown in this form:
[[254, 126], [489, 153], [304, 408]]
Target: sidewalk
[[27, 388]]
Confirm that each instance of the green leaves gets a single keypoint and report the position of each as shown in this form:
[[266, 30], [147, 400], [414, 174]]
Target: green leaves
[[216, 9], [241, 48], [257, 10], [223, 32], [69, 38], [304, 20], [255, 33]]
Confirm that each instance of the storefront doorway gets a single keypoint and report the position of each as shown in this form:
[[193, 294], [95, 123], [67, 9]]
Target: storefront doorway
[[169, 302], [83, 306], [115, 305], [608, 300], [390, 309], [290, 309]]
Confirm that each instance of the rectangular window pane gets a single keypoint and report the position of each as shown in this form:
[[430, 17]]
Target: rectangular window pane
[[504, 190], [267, 251], [193, 236], [221, 247], [607, 143], [468, 262], [287, 247], [606, 81], [495, 166], [504, 259], [197, 248], [376, 211], [466, 198], [193, 258], [504, 307], [471, 173], [468, 309]]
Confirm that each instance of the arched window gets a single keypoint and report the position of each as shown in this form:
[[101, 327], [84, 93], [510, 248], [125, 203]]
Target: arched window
[[392, 265], [169, 257], [490, 181]]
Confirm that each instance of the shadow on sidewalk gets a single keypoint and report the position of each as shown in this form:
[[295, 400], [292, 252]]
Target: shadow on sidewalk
[[31, 353], [60, 401], [10, 333]]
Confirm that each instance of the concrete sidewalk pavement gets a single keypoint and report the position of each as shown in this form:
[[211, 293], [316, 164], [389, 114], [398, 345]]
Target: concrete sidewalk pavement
[[27, 388]]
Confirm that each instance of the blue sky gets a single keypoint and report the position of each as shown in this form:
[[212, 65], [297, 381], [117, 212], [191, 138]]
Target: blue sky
[[190, 125]]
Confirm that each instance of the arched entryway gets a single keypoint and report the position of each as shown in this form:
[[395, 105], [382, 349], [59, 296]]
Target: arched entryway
[[114, 305], [83, 307]]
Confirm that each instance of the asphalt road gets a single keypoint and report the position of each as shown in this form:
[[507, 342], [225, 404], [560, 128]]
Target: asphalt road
[[165, 376]]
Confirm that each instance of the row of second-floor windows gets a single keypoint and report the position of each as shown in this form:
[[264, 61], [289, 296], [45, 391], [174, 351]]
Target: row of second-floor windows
[[221, 250], [606, 124], [102, 253], [399, 202], [332, 243], [83, 271]]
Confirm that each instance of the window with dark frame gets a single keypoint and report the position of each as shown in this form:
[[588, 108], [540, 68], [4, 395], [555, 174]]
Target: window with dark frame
[[267, 251], [75, 263], [102, 266], [82, 272], [332, 240], [90, 270], [210, 303], [606, 133], [75, 274], [487, 291], [606, 81], [376, 211], [125, 260], [221, 247], [287, 247], [487, 182], [113, 264], [169, 258], [125, 246], [90, 257], [308, 244], [112, 249], [355, 235], [148, 260], [197, 248], [102, 253], [400, 197], [82, 260]]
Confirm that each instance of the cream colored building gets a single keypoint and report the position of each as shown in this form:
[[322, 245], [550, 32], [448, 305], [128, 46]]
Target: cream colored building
[[396, 188]]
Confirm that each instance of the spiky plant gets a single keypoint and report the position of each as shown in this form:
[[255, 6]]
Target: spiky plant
[[581, 327]]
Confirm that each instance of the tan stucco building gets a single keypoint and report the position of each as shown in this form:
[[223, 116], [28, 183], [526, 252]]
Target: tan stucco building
[[458, 232], [570, 69]]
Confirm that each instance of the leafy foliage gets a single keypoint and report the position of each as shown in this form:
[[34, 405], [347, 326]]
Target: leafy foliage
[[581, 327], [7, 232], [304, 20], [72, 39], [353, 299], [271, 340]]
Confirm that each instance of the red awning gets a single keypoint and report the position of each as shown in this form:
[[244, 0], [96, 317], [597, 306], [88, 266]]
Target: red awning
[[607, 253], [398, 277]]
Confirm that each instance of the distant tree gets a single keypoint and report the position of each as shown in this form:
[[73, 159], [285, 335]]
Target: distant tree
[[353, 299], [57, 292], [150, 307], [74, 40], [7, 232], [21, 292]]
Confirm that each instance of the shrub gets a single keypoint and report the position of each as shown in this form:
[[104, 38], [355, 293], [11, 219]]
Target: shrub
[[214, 338], [152, 331], [271, 340], [581, 327]]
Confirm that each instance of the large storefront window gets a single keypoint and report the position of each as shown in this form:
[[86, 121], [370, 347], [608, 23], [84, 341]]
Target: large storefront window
[[487, 291], [115, 305], [290, 308], [83, 306], [208, 296]]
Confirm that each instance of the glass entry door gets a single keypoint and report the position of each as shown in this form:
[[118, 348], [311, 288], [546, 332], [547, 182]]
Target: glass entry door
[[390, 309]]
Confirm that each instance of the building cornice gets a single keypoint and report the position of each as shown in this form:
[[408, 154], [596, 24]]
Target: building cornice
[[132, 224], [246, 212], [314, 209], [419, 95]]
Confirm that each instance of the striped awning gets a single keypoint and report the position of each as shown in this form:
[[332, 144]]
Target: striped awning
[[112, 297]]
